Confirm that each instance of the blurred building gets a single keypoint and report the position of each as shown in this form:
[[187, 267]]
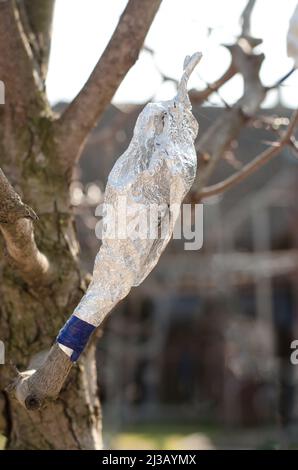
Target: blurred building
[[207, 336]]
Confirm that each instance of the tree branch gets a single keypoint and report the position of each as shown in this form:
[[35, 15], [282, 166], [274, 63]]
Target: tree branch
[[34, 386], [281, 80], [253, 165], [227, 127], [17, 230], [198, 97], [246, 17], [37, 17], [17, 67], [118, 57]]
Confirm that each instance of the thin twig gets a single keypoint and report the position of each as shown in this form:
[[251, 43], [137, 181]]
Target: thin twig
[[252, 166], [282, 79], [246, 17]]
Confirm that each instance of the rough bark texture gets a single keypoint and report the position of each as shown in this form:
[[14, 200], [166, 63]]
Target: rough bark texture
[[31, 314], [50, 376], [37, 19], [35, 180], [17, 230]]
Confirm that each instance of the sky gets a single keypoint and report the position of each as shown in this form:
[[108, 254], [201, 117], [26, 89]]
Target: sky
[[82, 29]]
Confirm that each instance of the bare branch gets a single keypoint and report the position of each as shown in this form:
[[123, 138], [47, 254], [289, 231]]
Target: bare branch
[[253, 165], [281, 80], [118, 57], [17, 230], [198, 97], [34, 386], [36, 17], [226, 128], [246, 17], [17, 67]]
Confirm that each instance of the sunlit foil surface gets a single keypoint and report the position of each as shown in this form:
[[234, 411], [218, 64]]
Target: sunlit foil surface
[[292, 38], [158, 168]]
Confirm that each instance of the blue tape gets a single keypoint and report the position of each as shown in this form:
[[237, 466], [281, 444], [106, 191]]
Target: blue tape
[[75, 334]]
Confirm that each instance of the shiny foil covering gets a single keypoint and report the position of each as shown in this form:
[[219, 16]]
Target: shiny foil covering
[[292, 38], [158, 168]]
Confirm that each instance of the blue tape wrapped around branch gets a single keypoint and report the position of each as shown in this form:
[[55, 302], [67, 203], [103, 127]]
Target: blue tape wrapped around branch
[[75, 335]]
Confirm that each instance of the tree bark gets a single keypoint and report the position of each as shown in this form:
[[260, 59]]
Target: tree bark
[[31, 313], [40, 279], [31, 310], [119, 56], [37, 19]]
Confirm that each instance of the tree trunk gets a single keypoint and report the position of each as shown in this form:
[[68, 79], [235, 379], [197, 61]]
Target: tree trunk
[[31, 315], [38, 151]]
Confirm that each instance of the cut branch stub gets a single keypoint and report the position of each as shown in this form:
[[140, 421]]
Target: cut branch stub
[[33, 387], [17, 229], [11, 206]]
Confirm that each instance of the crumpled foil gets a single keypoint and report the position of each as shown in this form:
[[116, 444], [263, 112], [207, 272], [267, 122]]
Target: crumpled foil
[[292, 37], [157, 170]]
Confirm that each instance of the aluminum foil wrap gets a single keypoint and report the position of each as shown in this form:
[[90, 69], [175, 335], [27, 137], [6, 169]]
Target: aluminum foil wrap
[[292, 38], [152, 176]]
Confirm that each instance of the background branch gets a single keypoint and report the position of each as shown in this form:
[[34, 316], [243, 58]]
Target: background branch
[[246, 18], [253, 165], [226, 128], [198, 97]]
